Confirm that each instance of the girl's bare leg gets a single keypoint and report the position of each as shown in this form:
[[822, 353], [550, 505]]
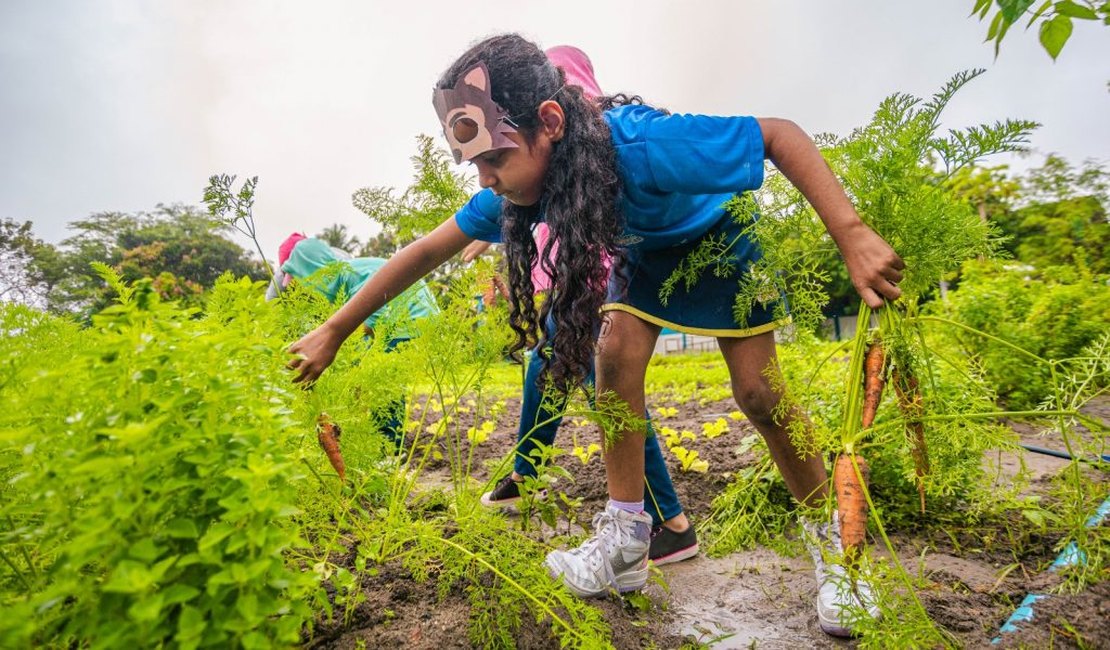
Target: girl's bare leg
[[748, 360], [624, 349]]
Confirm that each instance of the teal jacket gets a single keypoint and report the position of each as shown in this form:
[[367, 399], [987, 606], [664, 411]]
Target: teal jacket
[[317, 265]]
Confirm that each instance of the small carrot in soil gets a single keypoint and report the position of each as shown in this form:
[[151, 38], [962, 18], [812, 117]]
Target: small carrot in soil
[[909, 402], [874, 379], [328, 432], [851, 503]]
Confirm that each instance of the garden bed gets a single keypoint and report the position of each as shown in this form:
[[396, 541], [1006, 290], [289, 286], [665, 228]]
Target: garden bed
[[970, 581]]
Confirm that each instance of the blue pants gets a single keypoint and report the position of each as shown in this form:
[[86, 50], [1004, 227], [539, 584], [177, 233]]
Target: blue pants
[[394, 427], [660, 499]]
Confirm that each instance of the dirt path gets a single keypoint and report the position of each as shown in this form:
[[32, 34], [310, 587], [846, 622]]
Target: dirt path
[[758, 597]]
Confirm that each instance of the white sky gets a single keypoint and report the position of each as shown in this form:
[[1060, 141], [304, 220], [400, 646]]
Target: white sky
[[123, 104]]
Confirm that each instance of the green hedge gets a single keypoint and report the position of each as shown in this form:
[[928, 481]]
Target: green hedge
[[1054, 313]]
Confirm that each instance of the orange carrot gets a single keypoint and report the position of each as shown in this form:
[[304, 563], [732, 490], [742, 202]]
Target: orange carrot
[[873, 380], [489, 295], [328, 432], [499, 284], [909, 402], [851, 502], [496, 287]]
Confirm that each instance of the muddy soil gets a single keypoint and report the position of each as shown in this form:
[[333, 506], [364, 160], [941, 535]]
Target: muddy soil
[[759, 598]]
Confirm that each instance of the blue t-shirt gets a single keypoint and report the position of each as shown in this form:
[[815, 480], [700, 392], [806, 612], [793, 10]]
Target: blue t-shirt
[[677, 170]]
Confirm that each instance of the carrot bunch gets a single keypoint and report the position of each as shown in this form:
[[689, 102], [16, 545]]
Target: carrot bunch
[[874, 379], [851, 500], [327, 433]]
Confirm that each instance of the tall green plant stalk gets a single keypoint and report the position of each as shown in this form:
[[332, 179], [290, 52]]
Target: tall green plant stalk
[[235, 208]]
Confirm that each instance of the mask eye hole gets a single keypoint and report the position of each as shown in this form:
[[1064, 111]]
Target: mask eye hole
[[464, 129]]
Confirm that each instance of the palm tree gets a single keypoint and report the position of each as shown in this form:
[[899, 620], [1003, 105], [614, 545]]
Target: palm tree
[[336, 235]]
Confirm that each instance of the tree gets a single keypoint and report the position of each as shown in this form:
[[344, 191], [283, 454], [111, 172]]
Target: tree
[[1055, 18], [435, 195], [180, 247], [1057, 180], [988, 189], [17, 281], [336, 235], [1061, 214], [384, 244], [1054, 234], [191, 246]]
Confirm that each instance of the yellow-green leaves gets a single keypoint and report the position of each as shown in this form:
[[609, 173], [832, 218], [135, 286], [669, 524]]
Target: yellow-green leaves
[[690, 460], [713, 429], [1055, 33], [478, 435], [585, 454]]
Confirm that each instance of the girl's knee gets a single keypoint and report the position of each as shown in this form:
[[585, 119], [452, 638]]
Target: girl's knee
[[758, 401], [622, 349], [614, 359]]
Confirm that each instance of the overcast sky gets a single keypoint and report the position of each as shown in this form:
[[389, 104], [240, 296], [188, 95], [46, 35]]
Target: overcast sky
[[124, 104]]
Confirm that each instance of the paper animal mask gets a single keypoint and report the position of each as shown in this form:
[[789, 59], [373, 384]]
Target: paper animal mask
[[472, 121]]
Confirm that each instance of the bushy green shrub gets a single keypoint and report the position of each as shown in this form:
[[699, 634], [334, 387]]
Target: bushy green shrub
[[151, 487], [1054, 313]]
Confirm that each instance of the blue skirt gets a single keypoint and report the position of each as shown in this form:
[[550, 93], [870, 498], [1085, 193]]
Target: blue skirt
[[705, 308]]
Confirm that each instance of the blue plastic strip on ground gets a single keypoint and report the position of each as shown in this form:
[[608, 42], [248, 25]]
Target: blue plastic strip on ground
[[1023, 613], [1104, 458], [1071, 555]]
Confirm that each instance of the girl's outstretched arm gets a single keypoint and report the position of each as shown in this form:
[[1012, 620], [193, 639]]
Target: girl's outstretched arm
[[872, 264], [316, 350]]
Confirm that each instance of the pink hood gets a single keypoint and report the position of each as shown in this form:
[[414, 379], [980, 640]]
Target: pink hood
[[577, 66]]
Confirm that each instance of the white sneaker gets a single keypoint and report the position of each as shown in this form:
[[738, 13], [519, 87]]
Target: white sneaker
[[615, 557], [839, 602]]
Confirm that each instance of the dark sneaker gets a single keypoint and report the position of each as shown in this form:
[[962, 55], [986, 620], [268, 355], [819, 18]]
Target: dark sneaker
[[668, 546], [506, 494]]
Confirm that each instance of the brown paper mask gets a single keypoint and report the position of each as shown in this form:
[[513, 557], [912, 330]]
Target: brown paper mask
[[472, 121]]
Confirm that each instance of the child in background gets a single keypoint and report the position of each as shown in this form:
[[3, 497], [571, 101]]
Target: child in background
[[672, 537], [334, 273], [644, 188]]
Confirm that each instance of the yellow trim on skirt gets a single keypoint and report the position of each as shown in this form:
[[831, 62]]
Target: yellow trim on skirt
[[701, 331]]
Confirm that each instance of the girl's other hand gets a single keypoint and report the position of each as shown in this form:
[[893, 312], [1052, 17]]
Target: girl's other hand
[[314, 353], [474, 249], [874, 267]]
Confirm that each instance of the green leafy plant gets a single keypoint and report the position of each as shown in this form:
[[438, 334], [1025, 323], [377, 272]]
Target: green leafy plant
[[896, 170], [141, 509], [1056, 19], [1055, 313]]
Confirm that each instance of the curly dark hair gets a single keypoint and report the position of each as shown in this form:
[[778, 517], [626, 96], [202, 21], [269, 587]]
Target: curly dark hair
[[580, 203]]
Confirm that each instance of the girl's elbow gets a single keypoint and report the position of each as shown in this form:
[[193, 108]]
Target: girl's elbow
[[781, 137], [777, 129]]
